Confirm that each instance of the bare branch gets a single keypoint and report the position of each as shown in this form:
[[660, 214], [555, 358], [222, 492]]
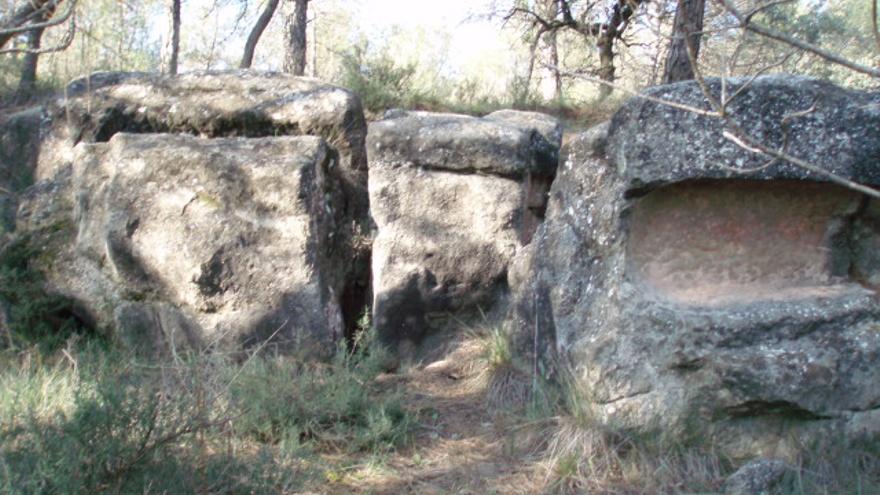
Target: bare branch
[[60, 46], [738, 136], [763, 70], [832, 177], [746, 23], [20, 23], [760, 8], [669, 103]]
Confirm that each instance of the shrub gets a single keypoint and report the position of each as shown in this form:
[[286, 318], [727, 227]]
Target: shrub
[[96, 420], [105, 424], [379, 80]]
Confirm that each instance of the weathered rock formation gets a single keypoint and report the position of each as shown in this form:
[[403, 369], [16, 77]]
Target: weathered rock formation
[[692, 294], [193, 219], [454, 198], [188, 242], [209, 104], [19, 145]]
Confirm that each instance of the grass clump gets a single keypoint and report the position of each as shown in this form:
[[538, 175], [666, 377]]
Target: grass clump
[[336, 405], [581, 451], [88, 419], [586, 452], [508, 388]]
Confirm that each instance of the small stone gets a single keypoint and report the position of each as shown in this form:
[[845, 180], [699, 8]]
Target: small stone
[[759, 477]]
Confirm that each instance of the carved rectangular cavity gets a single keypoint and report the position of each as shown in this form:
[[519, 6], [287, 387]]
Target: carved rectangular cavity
[[711, 243]]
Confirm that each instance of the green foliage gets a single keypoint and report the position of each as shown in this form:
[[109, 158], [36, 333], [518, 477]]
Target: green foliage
[[335, 404], [380, 81], [106, 425], [93, 419], [497, 348]]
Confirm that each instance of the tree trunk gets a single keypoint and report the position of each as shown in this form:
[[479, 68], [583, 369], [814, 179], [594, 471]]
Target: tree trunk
[[686, 30], [617, 23], [172, 41], [552, 7], [247, 59], [22, 16], [533, 54], [27, 84], [295, 38], [606, 65], [554, 62]]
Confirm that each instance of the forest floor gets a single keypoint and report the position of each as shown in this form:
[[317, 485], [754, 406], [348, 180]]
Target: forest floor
[[461, 444]]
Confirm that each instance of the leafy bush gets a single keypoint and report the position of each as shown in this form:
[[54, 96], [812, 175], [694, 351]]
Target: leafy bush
[[378, 79], [104, 424]]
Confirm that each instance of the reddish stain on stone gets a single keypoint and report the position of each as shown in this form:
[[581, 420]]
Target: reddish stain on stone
[[718, 242]]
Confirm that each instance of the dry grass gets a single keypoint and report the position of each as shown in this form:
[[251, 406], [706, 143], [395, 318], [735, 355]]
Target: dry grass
[[473, 431], [597, 459]]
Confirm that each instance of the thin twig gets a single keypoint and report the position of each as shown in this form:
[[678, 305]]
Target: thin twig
[[738, 136], [746, 23], [669, 103], [71, 7], [255, 352], [62, 45]]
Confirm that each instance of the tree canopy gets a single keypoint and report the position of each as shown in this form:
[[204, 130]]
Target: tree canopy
[[524, 52]]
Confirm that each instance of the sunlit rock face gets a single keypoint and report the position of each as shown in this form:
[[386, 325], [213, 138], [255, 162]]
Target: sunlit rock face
[[209, 104], [454, 199], [239, 103], [692, 297], [229, 267], [189, 243]]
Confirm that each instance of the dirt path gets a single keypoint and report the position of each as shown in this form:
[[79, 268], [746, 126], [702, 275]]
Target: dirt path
[[460, 447]]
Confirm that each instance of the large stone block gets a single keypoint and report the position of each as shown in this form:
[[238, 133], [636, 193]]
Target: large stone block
[[182, 241], [19, 145], [687, 294], [209, 105], [454, 198]]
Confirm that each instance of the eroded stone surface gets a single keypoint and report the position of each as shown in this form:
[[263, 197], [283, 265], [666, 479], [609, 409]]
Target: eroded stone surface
[[764, 476], [716, 243], [454, 199], [215, 104], [183, 241], [652, 144], [210, 104], [744, 307]]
